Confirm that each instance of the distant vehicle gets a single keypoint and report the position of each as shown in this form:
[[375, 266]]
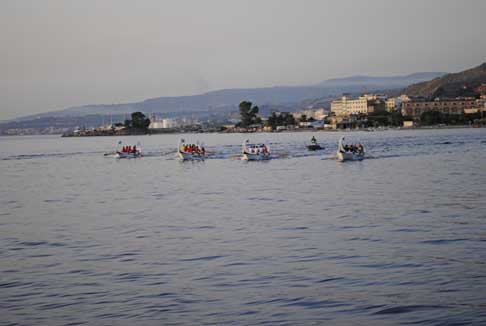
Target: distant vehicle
[[314, 146], [254, 152]]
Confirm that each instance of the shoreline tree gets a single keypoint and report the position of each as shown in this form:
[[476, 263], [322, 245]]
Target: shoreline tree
[[281, 119], [138, 121], [248, 114]]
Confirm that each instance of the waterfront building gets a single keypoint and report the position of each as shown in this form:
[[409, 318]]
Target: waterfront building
[[162, 124], [365, 104], [155, 124], [106, 127], [316, 124], [297, 115], [391, 104], [346, 106], [395, 103], [415, 107], [168, 123], [481, 102], [409, 124], [472, 110], [403, 98], [316, 114], [320, 114]]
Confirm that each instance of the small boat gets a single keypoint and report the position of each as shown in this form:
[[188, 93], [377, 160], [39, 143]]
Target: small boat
[[255, 152], [136, 154], [126, 151], [314, 146], [345, 154], [111, 154], [190, 152]]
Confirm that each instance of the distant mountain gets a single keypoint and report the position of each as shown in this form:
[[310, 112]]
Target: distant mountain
[[220, 101], [451, 85], [278, 95], [382, 82], [215, 100]]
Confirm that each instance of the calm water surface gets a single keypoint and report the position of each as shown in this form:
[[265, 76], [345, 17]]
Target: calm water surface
[[399, 238]]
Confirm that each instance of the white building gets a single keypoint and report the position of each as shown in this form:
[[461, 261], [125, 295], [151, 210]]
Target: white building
[[162, 124], [346, 106], [316, 114], [168, 123], [155, 125], [364, 104]]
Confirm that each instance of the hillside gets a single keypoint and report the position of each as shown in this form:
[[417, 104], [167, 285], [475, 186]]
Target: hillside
[[383, 82], [219, 102], [227, 98], [451, 85]]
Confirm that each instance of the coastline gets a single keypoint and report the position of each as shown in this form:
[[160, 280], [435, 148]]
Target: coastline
[[245, 132], [269, 132]]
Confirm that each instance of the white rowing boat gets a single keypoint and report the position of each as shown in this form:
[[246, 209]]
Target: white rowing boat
[[119, 153], [136, 154], [185, 156], [197, 154], [254, 152], [347, 155]]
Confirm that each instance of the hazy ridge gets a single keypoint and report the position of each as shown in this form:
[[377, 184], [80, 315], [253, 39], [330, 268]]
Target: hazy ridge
[[451, 85], [219, 101]]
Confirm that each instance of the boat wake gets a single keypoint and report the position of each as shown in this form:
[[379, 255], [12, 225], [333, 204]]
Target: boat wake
[[47, 155], [376, 149], [212, 154]]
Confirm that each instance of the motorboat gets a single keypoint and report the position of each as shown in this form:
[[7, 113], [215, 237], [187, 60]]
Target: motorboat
[[254, 152], [349, 152], [190, 152], [314, 146]]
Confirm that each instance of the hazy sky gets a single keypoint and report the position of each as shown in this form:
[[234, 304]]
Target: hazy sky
[[56, 54]]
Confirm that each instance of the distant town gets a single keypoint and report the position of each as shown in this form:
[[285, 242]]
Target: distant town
[[450, 100], [364, 112]]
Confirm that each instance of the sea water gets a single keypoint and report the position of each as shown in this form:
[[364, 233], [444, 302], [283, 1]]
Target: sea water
[[302, 239]]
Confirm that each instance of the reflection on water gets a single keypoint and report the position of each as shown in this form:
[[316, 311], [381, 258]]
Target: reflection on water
[[301, 239]]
